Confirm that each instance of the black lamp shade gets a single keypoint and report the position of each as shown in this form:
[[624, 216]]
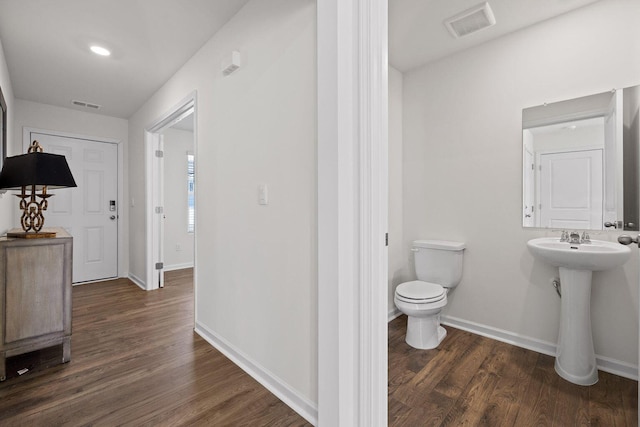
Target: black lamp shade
[[39, 169]]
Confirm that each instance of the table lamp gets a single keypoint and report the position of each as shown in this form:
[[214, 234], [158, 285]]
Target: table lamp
[[39, 171]]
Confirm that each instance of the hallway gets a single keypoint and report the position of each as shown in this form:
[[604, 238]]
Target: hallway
[[135, 360]]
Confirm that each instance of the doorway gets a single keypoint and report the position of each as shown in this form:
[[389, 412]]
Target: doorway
[[171, 160], [178, 185]]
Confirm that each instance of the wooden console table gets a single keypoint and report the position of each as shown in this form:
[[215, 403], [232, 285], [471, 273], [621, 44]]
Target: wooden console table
[[35, 295]]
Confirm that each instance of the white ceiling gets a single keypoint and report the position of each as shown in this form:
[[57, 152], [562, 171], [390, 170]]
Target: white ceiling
[[417, 34], [46, 47], [46, 42]]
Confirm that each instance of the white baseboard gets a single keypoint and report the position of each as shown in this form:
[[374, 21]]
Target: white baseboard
[[271, 382], [393, 314], [605, 364], [135, 279], [178, 266], [617, 367]]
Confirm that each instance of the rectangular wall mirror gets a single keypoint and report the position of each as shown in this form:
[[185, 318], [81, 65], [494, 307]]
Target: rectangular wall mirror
[[580, 162]]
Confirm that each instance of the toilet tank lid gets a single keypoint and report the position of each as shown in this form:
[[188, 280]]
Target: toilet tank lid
[[444, 245]]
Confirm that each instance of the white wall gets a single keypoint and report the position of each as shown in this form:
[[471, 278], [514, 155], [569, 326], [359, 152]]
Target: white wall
[[582, 138], [178, 242], [6, 205], [463, 160], [398, 268], [256, 266], [51, 118]]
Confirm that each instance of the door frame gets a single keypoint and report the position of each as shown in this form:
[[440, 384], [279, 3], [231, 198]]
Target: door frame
[[154, 189], [352, 212], [123, 218]]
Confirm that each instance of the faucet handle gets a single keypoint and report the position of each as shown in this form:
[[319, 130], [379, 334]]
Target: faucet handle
[[565, 236], [585, 237]]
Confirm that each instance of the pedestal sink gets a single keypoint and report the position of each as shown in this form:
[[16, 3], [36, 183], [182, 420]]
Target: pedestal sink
[[575, 357]]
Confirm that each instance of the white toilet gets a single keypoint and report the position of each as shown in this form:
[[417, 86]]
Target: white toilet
[[438, 267]]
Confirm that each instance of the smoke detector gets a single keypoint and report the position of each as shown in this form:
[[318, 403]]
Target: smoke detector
[[471, 20]]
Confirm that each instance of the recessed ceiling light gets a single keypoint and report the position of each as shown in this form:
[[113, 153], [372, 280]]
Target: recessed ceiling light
[[99, 50]]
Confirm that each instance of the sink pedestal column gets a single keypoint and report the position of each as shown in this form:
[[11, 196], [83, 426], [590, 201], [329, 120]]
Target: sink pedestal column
[[575, 356]]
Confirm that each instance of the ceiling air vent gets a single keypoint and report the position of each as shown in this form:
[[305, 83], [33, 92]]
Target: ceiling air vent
[[471, 20], [85, 104]]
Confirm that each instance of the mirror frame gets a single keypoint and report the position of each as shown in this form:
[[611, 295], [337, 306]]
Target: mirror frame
[[3, 134]]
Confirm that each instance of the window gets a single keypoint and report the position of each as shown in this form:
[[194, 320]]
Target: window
[[191, 214]]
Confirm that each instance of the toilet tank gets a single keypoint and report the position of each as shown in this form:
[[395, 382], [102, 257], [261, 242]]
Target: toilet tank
[[438, 261]]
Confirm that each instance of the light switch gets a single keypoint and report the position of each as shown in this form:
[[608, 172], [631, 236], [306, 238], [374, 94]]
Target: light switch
[[263, 194]]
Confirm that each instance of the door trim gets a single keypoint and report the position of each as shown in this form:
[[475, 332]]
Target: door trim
[[352, 212], [123, 217]]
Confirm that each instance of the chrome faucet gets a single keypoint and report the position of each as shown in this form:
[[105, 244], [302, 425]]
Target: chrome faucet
[[574, 237]]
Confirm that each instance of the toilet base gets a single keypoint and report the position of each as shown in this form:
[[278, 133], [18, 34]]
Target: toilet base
[[425, 333]]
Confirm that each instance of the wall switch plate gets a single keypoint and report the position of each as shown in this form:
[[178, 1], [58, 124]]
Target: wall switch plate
[[263, 194]]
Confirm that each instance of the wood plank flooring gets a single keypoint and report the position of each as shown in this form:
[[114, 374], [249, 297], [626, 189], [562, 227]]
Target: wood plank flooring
[[475, 381], [136, 361]]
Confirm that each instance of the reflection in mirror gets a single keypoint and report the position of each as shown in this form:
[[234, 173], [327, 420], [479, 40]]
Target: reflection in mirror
[[580, 162]]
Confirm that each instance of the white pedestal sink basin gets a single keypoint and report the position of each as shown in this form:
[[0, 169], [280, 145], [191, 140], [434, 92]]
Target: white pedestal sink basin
[[575, 357]]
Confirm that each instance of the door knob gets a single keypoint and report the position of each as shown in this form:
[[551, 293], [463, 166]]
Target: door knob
[[610, 224], [112, 217], [627, 240]]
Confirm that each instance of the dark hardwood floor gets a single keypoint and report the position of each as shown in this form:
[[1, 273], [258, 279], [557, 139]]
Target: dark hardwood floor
[[136, 361], [475, 381]]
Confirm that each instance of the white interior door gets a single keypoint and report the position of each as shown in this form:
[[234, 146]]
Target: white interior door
[[571, 189], [157, 177], [89, 212]]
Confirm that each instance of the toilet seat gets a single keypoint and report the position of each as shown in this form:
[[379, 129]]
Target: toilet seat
[[419, 292]]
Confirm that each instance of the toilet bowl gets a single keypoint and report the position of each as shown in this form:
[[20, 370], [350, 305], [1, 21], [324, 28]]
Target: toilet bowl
[[439, 268], [422, 302]]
